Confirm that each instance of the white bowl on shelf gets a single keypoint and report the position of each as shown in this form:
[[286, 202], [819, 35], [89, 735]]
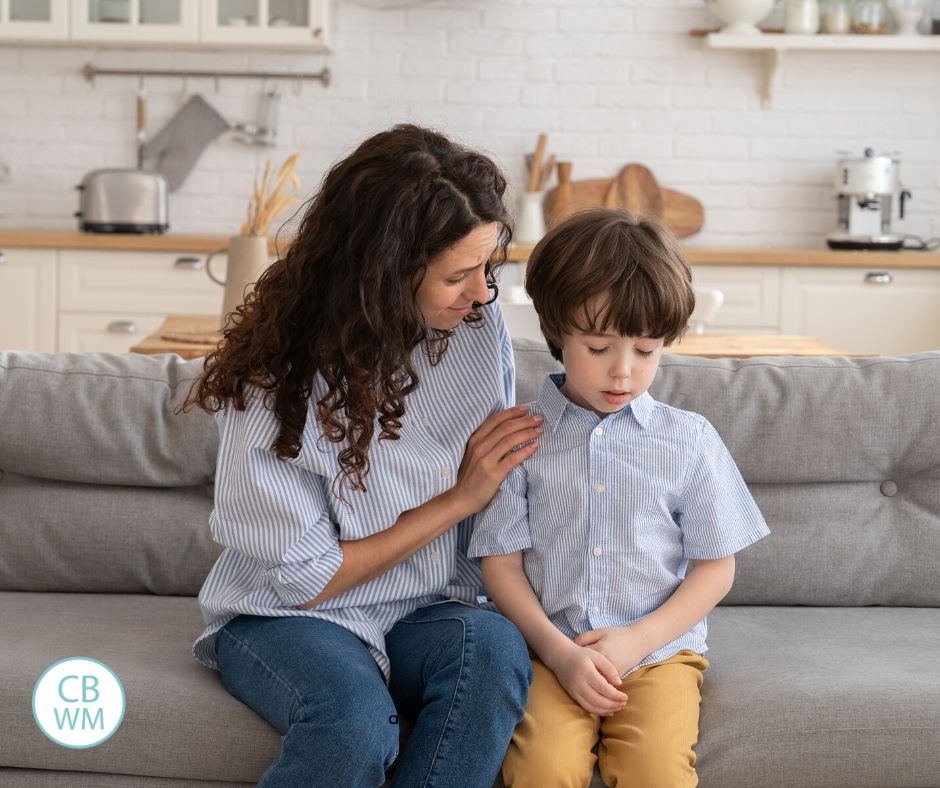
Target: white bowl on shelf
[[740, 17]]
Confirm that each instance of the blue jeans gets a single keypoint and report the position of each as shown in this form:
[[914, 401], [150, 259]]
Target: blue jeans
[[462, 674]]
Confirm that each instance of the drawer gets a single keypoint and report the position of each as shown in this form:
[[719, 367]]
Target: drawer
[[157, 283], [752, 295], [103, 332]]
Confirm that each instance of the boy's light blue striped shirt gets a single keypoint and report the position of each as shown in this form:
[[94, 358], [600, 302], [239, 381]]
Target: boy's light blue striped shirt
[[609, 512], [280, 524]]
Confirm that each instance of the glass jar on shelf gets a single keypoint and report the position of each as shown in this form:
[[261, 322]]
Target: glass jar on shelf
[[801, 17], [835, 17], [870, 17]]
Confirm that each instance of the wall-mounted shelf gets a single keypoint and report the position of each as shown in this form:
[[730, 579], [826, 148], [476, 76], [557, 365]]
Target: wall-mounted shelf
[[774, 45]]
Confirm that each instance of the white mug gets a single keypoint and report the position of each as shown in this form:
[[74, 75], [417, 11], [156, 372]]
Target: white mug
[[247, 260]]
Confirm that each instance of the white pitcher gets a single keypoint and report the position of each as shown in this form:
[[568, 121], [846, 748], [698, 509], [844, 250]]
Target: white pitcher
[[247, 260]]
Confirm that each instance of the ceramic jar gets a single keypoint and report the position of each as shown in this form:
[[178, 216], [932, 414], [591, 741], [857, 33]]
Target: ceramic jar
[[801, 17]]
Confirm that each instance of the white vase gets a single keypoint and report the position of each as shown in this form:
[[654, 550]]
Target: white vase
[[740, 17], [530, 226], [247, 260]]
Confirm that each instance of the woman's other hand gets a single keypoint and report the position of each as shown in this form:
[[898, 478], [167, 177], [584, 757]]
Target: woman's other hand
[[492, 452]]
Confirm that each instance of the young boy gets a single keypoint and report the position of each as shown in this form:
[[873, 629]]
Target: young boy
[[608, 547]]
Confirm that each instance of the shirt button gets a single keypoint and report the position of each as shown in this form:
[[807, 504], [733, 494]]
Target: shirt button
[[599, 431], [595, 609], [436, 557], [445, 472], [599, 487], [598, 551]]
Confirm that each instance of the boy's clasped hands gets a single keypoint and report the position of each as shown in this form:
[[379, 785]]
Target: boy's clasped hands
[[590, 667]]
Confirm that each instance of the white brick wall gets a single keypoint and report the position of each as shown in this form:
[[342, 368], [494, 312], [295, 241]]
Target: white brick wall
[[611, 81]]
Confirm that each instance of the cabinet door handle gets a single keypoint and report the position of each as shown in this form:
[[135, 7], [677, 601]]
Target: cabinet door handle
[[879, 278], [193, 263], [122, 327]]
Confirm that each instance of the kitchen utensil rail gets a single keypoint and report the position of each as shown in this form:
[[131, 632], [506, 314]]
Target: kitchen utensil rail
[[90, 71]]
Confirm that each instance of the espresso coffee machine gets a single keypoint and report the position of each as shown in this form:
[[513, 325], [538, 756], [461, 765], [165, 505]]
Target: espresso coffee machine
[[867, 189]]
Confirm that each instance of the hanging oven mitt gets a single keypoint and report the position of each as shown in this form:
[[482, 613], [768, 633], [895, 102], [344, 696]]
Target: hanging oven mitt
[[175, 150]]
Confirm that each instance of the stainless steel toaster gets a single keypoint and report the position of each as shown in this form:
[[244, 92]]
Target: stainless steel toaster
[[123, 201]]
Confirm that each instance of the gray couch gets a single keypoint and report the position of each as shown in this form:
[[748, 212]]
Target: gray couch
[[824, 656]]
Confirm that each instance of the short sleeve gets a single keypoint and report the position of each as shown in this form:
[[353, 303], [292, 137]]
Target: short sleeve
[[273, 512], [503, 527], [716, 513]]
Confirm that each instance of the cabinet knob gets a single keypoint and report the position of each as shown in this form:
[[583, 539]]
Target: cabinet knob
[[879, 278], [192, 263], [122, 327]]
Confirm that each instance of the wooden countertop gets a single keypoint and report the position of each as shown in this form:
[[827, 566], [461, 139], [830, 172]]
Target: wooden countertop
[[193, 336], [168, 242], [172, 242]]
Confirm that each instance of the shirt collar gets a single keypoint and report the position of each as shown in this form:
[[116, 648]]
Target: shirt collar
[[552, 404]]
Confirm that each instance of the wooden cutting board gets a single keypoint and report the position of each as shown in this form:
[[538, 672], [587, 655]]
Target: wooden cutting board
[[636, 190], [683, 214]]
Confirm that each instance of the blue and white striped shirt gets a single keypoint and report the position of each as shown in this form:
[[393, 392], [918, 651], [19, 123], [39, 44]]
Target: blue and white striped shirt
[[609, 512], [281, 525]]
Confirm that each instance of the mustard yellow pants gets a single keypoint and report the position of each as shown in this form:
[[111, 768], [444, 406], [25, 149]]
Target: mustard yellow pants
[[647, 744]]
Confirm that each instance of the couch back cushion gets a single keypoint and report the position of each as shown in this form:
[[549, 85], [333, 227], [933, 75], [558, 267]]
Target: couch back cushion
[[841, 454], [102, 488]]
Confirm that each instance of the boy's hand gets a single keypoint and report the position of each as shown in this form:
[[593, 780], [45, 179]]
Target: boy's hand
[[589, 678], [622, 646]]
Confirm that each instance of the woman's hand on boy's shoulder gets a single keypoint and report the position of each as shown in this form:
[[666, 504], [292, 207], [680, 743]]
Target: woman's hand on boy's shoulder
[[622, 646], [491, 454], [589, 678]]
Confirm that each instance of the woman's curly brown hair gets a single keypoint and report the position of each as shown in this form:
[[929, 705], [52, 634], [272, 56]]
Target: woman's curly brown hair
[[341, 303]]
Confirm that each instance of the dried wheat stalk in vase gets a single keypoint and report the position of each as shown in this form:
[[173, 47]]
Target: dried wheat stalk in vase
[[266, 205]]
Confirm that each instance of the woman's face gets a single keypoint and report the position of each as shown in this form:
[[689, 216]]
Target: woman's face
[[456, 278]]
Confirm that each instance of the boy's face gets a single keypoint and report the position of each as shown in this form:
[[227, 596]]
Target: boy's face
[[605, 372]]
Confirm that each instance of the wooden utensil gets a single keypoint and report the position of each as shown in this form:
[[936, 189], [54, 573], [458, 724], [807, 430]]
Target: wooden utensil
[[546, 173], [536, 169], [635, 189]]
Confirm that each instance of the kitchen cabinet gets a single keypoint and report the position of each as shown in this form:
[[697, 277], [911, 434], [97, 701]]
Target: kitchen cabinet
[[885, 311], [27, 299], [261, 23], [276, 22], [167, 21], [46, 20], [109, 300], [752, 297], [104, 332]]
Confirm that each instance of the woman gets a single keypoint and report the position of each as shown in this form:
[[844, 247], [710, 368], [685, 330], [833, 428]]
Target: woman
[[359, 396]]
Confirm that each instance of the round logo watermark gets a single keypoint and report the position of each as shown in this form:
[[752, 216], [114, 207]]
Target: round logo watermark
[[78, 702]]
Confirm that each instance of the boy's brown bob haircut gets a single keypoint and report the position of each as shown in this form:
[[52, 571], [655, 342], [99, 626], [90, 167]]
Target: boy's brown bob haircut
[[631, 263]]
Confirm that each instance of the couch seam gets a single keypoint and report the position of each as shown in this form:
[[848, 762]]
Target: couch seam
[[98, 375]]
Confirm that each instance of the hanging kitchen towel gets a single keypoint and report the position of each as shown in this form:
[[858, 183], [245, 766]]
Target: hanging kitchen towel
[[175, 150]]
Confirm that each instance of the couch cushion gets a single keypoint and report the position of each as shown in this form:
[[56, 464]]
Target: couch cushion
[[791, 699], [103, 418], [179, 721], [821, 698], [68, 536]]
